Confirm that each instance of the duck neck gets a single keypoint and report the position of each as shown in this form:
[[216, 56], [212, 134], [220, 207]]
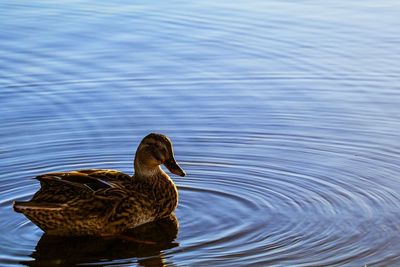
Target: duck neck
[[146, 172], [163, 187], [143, 171]]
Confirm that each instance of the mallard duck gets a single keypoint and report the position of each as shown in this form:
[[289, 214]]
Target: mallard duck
[[107, 202]]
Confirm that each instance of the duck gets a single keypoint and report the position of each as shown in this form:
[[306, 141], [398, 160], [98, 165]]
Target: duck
[[104, 201]]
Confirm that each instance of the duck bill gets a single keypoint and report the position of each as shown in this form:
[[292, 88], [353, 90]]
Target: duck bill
[[173, 167]]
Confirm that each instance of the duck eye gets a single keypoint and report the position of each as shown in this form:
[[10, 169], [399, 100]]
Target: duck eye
[[163, 149], [160, 147]]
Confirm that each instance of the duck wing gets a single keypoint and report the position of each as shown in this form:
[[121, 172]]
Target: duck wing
[[62, 187], [81, 201]]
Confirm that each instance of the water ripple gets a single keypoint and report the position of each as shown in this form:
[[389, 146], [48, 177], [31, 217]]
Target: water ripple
[[284, 115]]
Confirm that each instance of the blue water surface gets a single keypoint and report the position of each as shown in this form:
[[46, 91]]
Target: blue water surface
[[284, 114]]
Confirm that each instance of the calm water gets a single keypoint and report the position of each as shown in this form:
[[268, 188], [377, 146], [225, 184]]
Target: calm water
[[284, 114]]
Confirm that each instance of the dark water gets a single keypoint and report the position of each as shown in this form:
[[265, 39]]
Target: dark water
[[284, 114]]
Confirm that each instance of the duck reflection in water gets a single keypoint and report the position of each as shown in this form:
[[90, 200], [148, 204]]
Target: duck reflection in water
[[141, 245]]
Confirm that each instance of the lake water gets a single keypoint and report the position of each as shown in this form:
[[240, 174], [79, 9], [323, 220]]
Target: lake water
[[284, 114]]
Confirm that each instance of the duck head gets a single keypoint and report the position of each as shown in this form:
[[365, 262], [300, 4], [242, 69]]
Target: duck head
[[154, 150]]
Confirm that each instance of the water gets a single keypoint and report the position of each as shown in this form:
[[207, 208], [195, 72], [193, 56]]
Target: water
[[284, 114]]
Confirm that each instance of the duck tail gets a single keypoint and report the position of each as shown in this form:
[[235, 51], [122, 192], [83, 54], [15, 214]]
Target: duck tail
[[44, 215], [19, 206], [27, 206]]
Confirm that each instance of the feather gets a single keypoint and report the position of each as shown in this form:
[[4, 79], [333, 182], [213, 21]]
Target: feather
[[86, 202]]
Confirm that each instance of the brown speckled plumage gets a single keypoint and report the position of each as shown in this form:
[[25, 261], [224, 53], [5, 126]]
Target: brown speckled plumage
[[104, 202]]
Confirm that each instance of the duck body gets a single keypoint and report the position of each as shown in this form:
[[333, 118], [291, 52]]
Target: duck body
[[107, 202]]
